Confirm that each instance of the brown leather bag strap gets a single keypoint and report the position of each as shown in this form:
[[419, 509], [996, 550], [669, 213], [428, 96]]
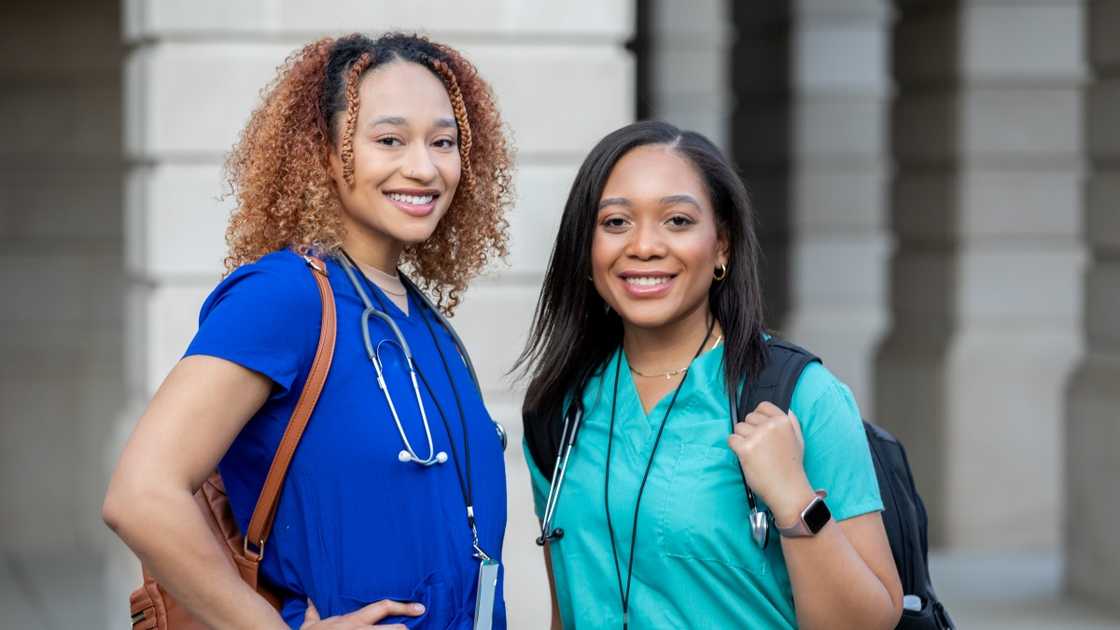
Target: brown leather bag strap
[[261, 524]]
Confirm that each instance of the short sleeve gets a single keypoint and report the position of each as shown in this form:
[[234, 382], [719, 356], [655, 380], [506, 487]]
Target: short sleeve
[[837, 457], [538, 481], [264, 317]]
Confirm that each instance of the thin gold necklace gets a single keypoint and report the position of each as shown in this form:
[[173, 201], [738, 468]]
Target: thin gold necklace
[[397, 287], [671, 373]]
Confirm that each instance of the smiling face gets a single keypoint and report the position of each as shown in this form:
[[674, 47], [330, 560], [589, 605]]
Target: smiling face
[[656, 242], [406, 161]]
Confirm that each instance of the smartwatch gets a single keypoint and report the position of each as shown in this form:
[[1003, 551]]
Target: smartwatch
[[813, 518]]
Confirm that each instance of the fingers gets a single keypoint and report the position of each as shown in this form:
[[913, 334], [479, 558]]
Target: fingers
[[764, 412], [768, 408], [387, 608]]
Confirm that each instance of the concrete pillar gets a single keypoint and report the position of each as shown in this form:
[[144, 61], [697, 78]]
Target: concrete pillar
[[562, 77], [60, 276], [1093, 402], [837, 194], [809, 133], [761, 136], [688, 57], [985, 292]]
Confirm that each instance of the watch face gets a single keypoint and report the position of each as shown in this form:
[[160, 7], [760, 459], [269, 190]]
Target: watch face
[[816, 515]]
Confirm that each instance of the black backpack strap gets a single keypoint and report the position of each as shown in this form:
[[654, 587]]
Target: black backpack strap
[[778, 378]]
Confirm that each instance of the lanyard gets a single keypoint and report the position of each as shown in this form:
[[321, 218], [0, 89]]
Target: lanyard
[[466, 486], [624, 593]]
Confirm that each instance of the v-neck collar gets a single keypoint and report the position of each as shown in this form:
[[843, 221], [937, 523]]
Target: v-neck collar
[[630, 406], [381, 300]]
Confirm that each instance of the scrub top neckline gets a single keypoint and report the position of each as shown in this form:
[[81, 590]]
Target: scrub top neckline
[[629, 387], [383, 302]]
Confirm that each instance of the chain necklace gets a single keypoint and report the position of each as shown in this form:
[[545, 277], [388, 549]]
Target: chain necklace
[[671, 373], [387, 282]]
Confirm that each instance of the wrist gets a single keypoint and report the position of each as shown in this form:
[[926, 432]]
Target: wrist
[[787, 508]]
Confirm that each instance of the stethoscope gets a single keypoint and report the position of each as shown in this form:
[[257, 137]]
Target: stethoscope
[[759, 519], [373, 351]]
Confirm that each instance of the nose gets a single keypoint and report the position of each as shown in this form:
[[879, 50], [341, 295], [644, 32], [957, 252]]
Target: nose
[[646, 241], [418, 164]]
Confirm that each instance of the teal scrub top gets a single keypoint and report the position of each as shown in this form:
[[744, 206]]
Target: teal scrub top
[[695, 563]]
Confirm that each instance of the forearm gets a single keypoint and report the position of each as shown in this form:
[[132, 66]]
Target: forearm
[[833, 587], [173, 541]]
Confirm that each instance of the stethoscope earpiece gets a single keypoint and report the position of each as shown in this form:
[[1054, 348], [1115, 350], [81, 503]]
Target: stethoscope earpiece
[[441, 457]]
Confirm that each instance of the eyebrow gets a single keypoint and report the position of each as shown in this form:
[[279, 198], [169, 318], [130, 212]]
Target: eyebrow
[[668, 200], [399, 121]]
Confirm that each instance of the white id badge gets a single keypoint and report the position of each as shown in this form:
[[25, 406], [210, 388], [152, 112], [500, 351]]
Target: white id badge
[[484, 602]]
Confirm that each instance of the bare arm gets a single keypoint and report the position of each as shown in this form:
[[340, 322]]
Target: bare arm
[[844, 577], [188, 426]]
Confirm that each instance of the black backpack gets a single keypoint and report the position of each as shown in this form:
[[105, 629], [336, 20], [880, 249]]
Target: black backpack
[[904, 514]]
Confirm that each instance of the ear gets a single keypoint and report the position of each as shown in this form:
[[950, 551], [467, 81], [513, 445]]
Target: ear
[[723, 248]]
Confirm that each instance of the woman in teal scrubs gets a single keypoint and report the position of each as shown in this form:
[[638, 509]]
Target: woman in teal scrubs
[[649, 319]]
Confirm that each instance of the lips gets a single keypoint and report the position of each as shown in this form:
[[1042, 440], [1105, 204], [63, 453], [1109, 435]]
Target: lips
[[417, 203], [647, 284]]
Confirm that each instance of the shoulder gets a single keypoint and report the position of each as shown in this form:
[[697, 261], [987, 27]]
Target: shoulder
[[279, 283], [820, 398]]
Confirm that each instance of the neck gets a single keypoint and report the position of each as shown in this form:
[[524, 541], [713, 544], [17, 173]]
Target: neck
[[668, 347], [378, 251]]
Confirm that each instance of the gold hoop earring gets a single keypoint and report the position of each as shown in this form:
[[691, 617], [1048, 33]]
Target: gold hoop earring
[[720, 273]]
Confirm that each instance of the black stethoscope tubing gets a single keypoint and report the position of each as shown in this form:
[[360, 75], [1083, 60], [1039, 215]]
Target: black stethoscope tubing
[[624, 594], [466, 484], [759, 520]]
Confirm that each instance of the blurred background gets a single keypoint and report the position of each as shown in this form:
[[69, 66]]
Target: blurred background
[[936, 185]]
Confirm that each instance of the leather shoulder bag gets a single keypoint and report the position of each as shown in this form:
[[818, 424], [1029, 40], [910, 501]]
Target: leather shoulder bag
[[151, 606]]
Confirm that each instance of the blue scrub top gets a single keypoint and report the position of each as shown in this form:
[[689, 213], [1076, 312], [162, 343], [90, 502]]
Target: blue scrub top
[[354, 525]]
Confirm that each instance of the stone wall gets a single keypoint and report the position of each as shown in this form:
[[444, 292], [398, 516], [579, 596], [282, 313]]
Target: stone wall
[[60, 269], [985, 292]]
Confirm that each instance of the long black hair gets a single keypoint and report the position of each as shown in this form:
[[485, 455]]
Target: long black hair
[[573, 332]]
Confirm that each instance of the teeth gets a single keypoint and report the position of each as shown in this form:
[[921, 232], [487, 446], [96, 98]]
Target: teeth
[[416, 200], [647, 281]]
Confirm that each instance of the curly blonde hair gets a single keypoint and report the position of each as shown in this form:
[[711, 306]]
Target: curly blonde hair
[[280, 175]]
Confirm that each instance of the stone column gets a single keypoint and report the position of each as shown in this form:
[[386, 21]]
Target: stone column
[[761, 137], [985, 292], [838, 171], [562, 77], [61, 279], [688, 58], [810, 94], [1093, 402]]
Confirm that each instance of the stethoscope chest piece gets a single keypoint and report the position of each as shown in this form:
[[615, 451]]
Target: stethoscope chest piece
[[760, 528]]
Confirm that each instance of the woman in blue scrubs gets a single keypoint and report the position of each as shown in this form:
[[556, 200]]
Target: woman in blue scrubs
[[369, 155], [649, 322]]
